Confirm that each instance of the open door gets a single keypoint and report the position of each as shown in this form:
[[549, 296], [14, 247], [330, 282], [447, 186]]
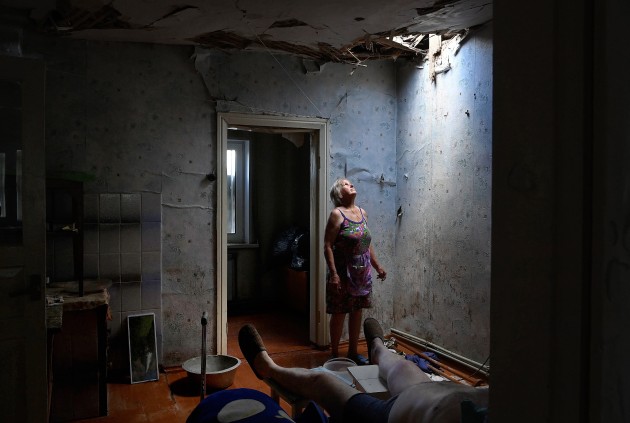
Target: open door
[[318, 331], [24, 391]]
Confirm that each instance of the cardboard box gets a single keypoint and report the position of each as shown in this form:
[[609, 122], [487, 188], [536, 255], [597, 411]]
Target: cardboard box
[[366, 380]]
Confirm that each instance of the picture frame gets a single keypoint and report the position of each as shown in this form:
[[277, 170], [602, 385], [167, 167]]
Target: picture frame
[[143, 358]]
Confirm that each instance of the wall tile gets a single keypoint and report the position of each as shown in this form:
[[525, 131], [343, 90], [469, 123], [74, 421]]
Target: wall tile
[[130, 236], [109, 238], [109, 267], [90, 208], [109, 210], [151, 207], [115, 303], [90, 238], [130, 267], [131, 297], [90, 266], [130, 208], [151, 266], [151, 294], [151, 237]]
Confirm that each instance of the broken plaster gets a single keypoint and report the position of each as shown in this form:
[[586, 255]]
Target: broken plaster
[[440, 53]]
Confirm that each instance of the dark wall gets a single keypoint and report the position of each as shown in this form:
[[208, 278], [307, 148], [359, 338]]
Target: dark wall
[[560, 254]]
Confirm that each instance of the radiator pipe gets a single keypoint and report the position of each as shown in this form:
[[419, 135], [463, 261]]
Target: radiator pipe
[[473, 365]]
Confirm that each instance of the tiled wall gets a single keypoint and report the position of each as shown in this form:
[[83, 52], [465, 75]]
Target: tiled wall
[[122, 243]]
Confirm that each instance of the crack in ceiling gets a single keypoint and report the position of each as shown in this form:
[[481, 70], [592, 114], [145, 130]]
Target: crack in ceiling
[[325, 36]]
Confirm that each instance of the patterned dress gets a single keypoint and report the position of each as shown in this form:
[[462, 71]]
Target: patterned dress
[[351, 252]]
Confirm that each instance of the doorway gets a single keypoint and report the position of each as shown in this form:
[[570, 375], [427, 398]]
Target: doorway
[[318, 147]]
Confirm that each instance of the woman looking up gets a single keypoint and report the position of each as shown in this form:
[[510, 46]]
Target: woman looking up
[[349, 257]]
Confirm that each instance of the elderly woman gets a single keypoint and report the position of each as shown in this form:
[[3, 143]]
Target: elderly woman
[[349, 256]]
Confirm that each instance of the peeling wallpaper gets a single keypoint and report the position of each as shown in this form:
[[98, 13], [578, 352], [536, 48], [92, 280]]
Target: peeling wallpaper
[[131, 118], [361, 108], [444, 148], [137, 118]]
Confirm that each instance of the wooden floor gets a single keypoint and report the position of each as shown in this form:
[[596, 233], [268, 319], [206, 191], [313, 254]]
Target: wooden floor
[[173, 397]]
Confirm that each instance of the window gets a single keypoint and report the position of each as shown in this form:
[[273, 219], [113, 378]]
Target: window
[[237, 164]]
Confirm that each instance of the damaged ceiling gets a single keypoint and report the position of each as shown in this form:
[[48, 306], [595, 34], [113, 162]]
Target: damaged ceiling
[[322, 30]]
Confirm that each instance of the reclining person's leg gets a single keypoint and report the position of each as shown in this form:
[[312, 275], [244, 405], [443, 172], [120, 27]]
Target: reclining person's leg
[[393, 368], [326, 390]]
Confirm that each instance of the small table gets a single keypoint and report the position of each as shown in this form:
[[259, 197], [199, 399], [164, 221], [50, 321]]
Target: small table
[[79, 356]]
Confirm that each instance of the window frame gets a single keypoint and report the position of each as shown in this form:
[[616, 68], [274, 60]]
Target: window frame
[[242, 200]]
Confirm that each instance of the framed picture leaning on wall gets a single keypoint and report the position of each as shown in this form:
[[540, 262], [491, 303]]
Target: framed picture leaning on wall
[[143, 359]]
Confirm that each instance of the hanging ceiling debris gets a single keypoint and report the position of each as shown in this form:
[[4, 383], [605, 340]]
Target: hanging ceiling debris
[[323, 31], [366, 48]]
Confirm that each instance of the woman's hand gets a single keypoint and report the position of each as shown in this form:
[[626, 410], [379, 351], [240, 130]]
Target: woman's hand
[[382, 274], [335, 281]]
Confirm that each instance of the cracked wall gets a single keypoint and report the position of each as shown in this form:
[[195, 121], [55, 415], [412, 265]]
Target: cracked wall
[[443, 148], [133, 119], [360, 107], [141, 119]]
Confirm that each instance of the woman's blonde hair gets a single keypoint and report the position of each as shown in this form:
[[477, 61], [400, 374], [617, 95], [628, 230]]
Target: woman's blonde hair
[[335, 191]]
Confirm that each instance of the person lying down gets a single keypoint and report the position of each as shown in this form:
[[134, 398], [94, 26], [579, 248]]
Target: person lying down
[[413, 400]]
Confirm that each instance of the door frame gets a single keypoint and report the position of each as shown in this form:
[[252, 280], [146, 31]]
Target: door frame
[[318, 329], [27, 333]]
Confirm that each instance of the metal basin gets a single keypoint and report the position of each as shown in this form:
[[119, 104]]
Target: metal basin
[[220, 370]]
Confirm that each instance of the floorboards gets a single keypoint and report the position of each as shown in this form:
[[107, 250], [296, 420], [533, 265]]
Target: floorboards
[[174, 396]]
